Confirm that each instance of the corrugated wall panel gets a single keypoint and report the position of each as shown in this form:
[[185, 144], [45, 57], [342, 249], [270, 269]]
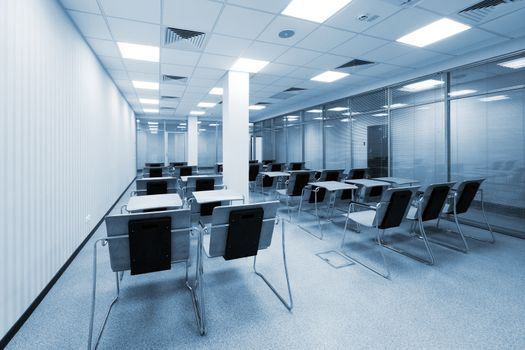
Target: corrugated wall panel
[[67, 147]]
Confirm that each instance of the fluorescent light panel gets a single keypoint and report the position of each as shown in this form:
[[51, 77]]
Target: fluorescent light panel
[[150, 110], [248, 65], [338, 109], [433, 32], [329, 76], [494, 98], [153, 123], [396, 105], [146, 85], [206, 104], [315, 111], [380, 115], [422, 85], [514, 64], [139, 52], [197, 112], [461, 92], [256, 107], [314, 10], [216, 91], [213, 124], [149, 101]]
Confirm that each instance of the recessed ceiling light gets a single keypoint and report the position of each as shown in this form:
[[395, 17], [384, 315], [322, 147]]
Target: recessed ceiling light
[[150, 110], [461, 92], [145, 85], [139, 52], [248, 65], [197, 112], [216, 91], [344, 120], [199, 122], [315, 111], [514, 64], [256, 107], [292, 117], [314, 10], [338, 109], [138, 120], [329, 76], [213, 124], [494, 98], [149, 101], [380, 115], [153, 123], [396, 105], [433, 32], [206, 104], [181, 127], [182, 123], [202, 129], [319, 118], [422, 85]]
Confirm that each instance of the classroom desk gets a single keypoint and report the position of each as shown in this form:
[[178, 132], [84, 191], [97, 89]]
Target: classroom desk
[[155, 201], [184, 179], [202, 197], [364, 183], [397, 181], [279, 174]]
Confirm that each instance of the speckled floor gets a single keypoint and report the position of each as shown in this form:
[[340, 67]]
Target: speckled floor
[[465, 301]]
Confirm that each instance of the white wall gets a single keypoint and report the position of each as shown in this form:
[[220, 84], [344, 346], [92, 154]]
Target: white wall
[[67, 148]]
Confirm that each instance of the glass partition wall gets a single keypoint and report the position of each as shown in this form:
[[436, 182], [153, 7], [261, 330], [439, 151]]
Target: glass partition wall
[[463, 124]]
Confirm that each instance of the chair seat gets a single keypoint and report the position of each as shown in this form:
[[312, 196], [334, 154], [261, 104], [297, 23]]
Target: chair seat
[[365, 217]]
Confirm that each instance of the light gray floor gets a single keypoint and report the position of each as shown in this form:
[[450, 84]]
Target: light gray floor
[[465, 301]]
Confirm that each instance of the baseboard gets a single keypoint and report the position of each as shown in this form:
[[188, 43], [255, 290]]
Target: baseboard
[[20, 322]]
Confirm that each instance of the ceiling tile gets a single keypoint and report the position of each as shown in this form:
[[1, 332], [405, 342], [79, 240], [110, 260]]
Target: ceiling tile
[[124, 84], [174, 69], [264, 51], [91, 25], [118, 74], [280, 23], [383, 69], [139, 10], [273, 6], [134, 32], [512, 24], [347, 18], [298, 57], [199, 15], [418, 58], [81, 5], [141, 66], [209, 60], [304, 73], [387, 52], [402, 23], [358, 45], [208, 73], [112, 63], [182, 57], [241, 22], [264, 78], [143, 76], [288, 82], [327, 62], [469, 40], [200, 82], [172, 90], [226, 45], [104, 47], [446, 7], [324, 39], [278, 69]]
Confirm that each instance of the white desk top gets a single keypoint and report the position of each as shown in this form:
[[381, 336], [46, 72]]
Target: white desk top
[[333, 185], [185, 178], [397, 180], [368, 183], [274, 173], [170, 200], [156, 178], [202, 197]]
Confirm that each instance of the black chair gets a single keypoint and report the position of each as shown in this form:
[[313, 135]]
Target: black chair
[[268, 161], [174, 164], [206, 184], [388, 213], [267, 180], [241, 231], [155, 172], [326, 175], [156, 187], [185, 171], [154, 164], [254, 161], [145, 243], [254, 170], [296, 166], [295, 184]]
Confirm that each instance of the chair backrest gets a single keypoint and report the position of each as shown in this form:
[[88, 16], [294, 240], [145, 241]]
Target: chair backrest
[[219, 230], [434, 199], [296, 166], [142, 184], [466, 191], [372, 193], [277, 167], [331, 174], [155, 172], [297, 180], [253, 161], [255, 168], [154, 164], [394, 205], [119, 225], [191, 184], [268, 161], [156, 187], [185, 171], [178, 164], [355, 174]]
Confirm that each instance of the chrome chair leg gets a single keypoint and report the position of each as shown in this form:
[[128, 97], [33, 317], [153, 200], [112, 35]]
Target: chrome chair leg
[[492, 239], [288, 304]]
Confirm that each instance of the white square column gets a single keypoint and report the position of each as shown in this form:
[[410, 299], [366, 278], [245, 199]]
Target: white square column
[[192, 156], [235, 132]]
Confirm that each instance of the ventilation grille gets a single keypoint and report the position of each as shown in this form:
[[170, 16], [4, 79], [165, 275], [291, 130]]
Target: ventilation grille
[[286, 94], [174, 79], [263, 103], [169, 98], [182, 38], [354, 63], [482, 9]]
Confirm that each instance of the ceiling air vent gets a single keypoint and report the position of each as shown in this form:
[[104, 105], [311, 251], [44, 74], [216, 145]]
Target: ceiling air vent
[[175, 79], [286, 94], [482, 9], [263, 103], [169, 98], [183, 39], [354, 63], [168, 108], [292, 89]]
